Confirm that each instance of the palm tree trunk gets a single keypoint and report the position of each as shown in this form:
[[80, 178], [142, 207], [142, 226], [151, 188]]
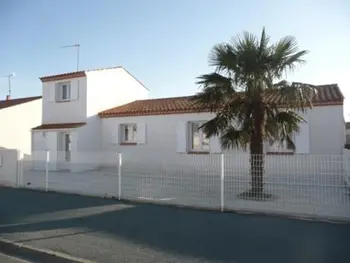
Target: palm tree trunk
[[256, 149]]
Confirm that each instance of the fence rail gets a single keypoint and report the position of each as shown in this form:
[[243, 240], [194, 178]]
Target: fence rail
[[296, 185]]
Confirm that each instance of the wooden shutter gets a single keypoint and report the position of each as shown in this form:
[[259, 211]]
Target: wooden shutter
[[141, 133], [181, 136]]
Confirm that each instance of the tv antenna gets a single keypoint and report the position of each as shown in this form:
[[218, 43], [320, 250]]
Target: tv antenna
[[77, 46], [9, 76]]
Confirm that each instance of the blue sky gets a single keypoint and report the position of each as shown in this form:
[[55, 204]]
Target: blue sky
[[164, 43]]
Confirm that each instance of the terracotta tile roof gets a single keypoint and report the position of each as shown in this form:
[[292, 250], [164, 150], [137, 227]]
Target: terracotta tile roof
[[13, 102], [327, 95], [59, 126], [71, 75]]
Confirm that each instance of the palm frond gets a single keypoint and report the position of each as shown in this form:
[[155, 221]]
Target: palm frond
[[264, 49], [229, 113], [281, 125], [224, 58], [242, 94], [234, 138], [286, 56], [295, 95], [216, 89]]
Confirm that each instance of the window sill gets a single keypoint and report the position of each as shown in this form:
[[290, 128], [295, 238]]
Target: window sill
[[62, 101], [280, 153], [198, 152], [128, 143]]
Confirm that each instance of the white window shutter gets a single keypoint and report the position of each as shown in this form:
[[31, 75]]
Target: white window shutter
[[215, 146], [181, 137], [116, 134], [52, 93], [74, 141], [74, 91], [141, 133], [302, 139], [58, 92]]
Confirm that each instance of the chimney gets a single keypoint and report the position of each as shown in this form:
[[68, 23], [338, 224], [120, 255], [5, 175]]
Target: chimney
[[8, 97]]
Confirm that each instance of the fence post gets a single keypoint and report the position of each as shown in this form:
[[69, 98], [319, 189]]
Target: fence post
[[19, 169], [222, 175], [119, 175], [47, 170]]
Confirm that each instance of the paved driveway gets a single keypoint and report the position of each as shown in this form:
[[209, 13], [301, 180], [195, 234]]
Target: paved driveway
[[109, 231]]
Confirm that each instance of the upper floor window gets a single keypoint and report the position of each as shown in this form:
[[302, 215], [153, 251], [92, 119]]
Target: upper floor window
[[63, 91], [198, 139]]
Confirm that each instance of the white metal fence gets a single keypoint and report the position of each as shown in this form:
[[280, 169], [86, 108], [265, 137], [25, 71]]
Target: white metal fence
[[295, 185]]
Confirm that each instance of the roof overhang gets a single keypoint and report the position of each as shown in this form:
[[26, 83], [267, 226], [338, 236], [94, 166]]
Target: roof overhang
[[58, 126], [71, 75]]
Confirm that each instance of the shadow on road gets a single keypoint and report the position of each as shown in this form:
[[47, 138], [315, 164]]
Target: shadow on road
[[223, 237]]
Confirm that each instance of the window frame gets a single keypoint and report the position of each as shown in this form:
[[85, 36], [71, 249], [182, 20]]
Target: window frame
[[60, 87], [134, 127], [190, 145], [282, 147]]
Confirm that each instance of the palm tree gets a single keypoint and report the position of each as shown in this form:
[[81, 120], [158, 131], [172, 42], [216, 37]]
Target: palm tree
[[251, 101]]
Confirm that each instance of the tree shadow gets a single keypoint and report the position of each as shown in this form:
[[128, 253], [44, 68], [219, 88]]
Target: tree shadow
[[17, 204], [212, 236]]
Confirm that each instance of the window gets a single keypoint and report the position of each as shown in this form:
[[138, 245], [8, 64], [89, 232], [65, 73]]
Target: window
[[63, 91], [198, 140], [281, 147], [129, 133]]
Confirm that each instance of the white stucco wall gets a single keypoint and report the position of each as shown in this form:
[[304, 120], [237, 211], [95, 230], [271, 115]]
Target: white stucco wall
[[327, 130], [323, 132], [105, 89], [98, 91], [109, 88], [17, 122], [10, 172], [162, 134], [64, 112]]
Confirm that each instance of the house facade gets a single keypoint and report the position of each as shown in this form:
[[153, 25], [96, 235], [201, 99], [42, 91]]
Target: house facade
[[18, 116], [90, 116], [159, 127], [71, 128], [159, 136]]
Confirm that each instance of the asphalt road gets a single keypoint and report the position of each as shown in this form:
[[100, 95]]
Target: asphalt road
[[8, 259], [109, 231]]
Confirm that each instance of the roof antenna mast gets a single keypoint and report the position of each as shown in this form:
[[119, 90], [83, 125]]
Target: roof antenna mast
[[77, 46], [9, 76]]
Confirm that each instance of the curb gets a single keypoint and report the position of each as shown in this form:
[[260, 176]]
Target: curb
[[28, 252]]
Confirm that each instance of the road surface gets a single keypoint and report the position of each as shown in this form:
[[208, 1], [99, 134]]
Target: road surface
[[109, 231]]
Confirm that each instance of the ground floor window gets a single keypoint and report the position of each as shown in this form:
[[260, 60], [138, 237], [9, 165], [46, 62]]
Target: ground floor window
[[198, 140]]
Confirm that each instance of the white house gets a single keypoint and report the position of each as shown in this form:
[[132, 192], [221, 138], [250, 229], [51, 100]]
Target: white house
[[89, 116], [154, 128], [70, 127], [18, 116]]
